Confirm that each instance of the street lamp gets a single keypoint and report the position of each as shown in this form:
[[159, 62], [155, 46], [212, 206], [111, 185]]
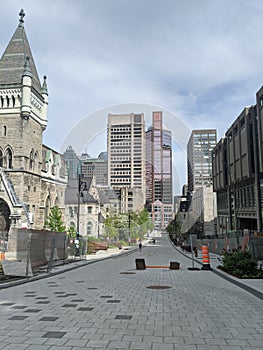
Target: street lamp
[[80, 194]]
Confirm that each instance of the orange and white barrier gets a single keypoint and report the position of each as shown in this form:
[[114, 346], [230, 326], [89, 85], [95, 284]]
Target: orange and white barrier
[[205, 258]]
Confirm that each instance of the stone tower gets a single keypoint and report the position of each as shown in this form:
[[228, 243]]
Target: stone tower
[[28, 170]]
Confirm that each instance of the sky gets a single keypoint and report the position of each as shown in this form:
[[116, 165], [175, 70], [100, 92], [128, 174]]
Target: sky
[[198, 61]]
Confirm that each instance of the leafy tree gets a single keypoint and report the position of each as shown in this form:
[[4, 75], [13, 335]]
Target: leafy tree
[[125, 225], [174, 227], [54, 220]]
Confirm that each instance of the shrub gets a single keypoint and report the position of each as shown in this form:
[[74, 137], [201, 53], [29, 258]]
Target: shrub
[[240, 264]]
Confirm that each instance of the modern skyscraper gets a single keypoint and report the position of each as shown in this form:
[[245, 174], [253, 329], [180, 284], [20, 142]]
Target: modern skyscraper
[[72, 162], [159, 193], [126, 159], [199, 158]]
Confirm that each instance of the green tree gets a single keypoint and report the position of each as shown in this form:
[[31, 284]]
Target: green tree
[[54, 220]]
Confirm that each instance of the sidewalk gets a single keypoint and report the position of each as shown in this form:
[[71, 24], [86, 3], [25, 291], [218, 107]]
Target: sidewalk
[[215, 261]]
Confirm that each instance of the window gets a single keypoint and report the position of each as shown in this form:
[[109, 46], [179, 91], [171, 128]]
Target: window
[[89, 228], [9, 158], [89, 210], [1, 158], [31, 160]]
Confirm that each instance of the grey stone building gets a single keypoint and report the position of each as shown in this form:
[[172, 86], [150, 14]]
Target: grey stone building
[[32, 176]]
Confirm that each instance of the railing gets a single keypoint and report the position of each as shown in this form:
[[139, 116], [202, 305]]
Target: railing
[[12, 194]]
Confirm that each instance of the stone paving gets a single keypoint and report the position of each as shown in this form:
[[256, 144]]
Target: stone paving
[[109, 305]]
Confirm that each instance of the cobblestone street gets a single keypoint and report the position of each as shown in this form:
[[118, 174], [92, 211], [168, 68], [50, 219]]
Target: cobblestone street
[[109, 305]]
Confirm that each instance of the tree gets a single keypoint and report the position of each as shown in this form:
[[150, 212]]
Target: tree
[[54, 220]]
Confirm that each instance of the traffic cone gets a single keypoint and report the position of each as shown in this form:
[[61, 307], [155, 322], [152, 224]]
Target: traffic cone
[[205, 258]]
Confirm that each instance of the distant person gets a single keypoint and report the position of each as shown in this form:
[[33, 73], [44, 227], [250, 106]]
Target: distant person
[[153, 240], [140, 246]]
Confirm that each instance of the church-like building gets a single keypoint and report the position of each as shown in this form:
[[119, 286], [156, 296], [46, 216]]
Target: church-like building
[[33, 177]]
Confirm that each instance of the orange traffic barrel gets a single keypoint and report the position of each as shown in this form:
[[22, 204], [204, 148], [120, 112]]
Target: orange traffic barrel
[[205, 258], [2, 256]]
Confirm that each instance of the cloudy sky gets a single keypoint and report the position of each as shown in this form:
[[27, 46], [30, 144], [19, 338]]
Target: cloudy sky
[[199, 61]]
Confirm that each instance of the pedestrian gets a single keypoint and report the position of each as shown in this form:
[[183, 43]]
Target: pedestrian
[[140, 246]]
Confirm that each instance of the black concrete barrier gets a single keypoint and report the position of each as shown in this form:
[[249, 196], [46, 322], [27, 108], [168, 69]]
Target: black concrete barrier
[[174, 265], [140, 264]]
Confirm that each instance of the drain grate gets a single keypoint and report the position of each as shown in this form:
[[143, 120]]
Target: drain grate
[[159, 287]]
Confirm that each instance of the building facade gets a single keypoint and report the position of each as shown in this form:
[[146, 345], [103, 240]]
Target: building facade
[[32, 176], [72, 161], [198, 206], [159, 189], [95, 167], [199, 158], [237, 173], [126, 159]]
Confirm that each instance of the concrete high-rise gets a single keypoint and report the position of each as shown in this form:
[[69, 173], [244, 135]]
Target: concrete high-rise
[[199, 158], [126, 159], [95, 167], [159, 193]]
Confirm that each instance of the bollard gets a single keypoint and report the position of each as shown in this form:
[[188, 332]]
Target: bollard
[[205, 258]]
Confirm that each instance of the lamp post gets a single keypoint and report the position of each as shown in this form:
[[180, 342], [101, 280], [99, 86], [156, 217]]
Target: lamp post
[[78, 216], [80, 194]]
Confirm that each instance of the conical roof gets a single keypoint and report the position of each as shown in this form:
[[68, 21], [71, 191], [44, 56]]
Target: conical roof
[[12, 63]]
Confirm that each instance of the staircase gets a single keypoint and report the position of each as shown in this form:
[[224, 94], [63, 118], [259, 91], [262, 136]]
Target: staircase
[[12, 194]]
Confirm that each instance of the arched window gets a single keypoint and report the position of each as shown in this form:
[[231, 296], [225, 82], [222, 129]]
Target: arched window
[[1, 158], [31, 160], [2, 101], [72, 224], [47, 208], [89, 228], [36, 161], [9, 159], [13, 100], [4, 130], [7, 101]]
